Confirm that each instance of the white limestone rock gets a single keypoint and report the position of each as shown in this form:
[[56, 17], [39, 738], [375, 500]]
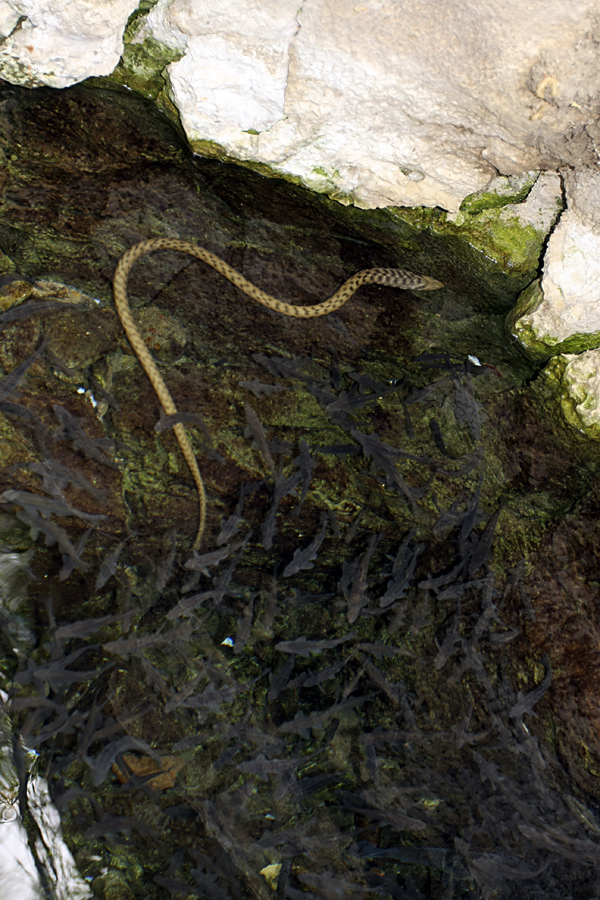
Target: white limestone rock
[[380, 103], [61, 42], [564, 314]]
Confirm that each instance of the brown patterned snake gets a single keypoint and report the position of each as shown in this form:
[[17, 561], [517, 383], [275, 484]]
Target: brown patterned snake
[[391, 277]]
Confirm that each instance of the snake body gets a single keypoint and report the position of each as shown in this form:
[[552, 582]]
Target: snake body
[[398, 278]]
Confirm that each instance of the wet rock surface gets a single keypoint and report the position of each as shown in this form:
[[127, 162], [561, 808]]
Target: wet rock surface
[[372, 675]]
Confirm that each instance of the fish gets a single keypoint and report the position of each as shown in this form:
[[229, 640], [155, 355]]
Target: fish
[[27, 310], [526, 702], [279, 679], [394, 818], [166, 422], [56, 477], [124, 647], [303, 557], [320, 719], [303, 646], [111, 824], [449, 645], [402, 571], [10, 382], [467, 411], [282, 487], [481, 553], [69, 429], [471, 519], [231, 525], [436, 433], [56, 674], [69, 562], [46, 506], [202, 562], [258, 433], [211, 698], [165, 569], [353, 582], [326, 674], [108, 566], [85, 627], [258, 388], [305, 463], [244, 626], [54, 535], [379, 649]]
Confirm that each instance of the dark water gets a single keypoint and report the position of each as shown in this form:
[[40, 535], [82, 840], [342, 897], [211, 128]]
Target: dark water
[[373, 677]]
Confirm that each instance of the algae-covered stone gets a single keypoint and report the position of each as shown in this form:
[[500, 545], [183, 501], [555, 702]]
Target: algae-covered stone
[[577, 382], [562, 313]]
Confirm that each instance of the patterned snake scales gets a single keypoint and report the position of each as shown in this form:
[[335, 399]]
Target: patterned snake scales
[[391, 277]]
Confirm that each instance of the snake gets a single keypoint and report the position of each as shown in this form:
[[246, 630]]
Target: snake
[[398, 278]]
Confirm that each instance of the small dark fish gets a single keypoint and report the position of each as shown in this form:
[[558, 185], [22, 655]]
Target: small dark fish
[[396, 819], [187, 605], [108, 566], [176, 886], [124, 647], [353, 582], [379, 649], [481, 552], [334, 372], [55, 673], [231, 525], [258, 433], [111, 824], [432, 857], [10, 382], [470, 520], [71, 430], [202, 562], [304, 647], [467, 410], [305, 463], [280, 678], [54, 535], [27, 310], [69, 562], [85, 627], [340, 449], [46, 506], [378, 389], [402, 571], [318, 720], [526, 702], [391, 691], [449, 645], [436, 433], [180, 696], [303, 558], [56, 477], [244, 626], [100, 391], [282, 487], [211, 697], [325, 674], [185, 418], [165, 570], [258, 388]]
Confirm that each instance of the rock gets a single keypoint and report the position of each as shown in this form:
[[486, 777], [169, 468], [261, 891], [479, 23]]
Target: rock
[[58, 42], [564, 314]]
